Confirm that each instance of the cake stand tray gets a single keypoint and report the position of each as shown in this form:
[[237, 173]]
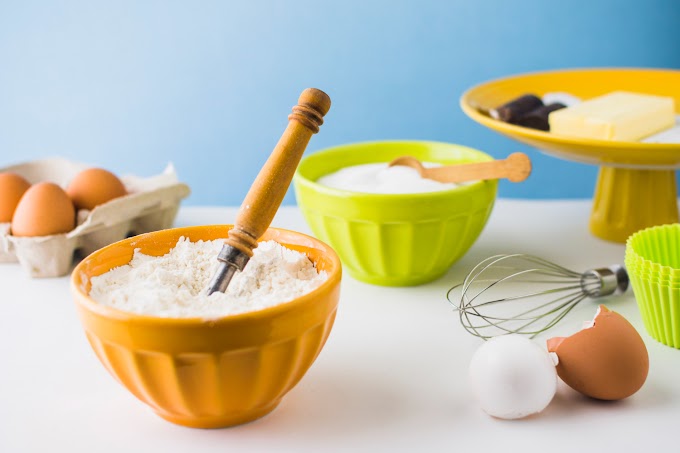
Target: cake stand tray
[[636, 186]]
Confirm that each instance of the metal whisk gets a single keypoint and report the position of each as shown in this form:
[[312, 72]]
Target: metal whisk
[[527, 295]]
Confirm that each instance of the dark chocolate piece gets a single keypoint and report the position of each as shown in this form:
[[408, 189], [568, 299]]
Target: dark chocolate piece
[[538, 118], [512, 111]]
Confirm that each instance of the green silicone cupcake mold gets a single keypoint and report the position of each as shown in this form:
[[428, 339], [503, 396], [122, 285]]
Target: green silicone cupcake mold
[[653, 264]]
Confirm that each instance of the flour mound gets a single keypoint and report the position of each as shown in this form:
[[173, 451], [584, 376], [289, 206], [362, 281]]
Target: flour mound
[[174, 285]]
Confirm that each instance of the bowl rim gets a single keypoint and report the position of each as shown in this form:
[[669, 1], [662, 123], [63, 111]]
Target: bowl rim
[[331, 191], [84, 301], [633, 254]]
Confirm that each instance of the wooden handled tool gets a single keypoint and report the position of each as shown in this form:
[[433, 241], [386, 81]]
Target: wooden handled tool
[[516, 168], [270, 186]]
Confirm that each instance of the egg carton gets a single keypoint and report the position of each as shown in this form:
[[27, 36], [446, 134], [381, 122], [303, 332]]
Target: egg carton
[[151, 204]]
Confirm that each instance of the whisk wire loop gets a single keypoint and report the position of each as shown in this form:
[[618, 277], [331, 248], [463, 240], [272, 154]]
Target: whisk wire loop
[[524, 294]]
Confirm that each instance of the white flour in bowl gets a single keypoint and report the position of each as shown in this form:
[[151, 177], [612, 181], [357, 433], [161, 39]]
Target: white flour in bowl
[[174, 285], [380, 178]]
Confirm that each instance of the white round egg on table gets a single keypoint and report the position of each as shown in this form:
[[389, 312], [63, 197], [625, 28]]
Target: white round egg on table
[[513, 377]]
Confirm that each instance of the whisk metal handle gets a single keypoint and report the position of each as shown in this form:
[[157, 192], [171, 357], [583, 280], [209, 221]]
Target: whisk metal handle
[[612, 280]]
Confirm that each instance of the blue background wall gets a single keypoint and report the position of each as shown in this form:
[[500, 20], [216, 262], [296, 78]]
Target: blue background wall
[[131, 85]]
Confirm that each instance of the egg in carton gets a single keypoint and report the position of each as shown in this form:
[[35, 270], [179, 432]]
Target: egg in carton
[[151, 204]]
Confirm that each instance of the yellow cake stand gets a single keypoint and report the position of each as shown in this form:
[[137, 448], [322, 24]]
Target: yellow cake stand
[[636, 186]]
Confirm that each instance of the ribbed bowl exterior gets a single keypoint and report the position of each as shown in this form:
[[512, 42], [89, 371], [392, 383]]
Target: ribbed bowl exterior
[[394, 240], [652, 262], [659, 307], [209, 373], [398, 253]]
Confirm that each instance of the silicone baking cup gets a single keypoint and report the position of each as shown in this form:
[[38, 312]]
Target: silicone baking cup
[[653, 264]]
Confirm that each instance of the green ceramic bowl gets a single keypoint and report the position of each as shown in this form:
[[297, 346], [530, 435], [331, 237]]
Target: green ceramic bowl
[[394, 239]]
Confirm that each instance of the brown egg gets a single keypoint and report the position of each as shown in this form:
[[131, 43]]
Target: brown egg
[[45, 209], [12, 187], [93, 187], [608, 361]]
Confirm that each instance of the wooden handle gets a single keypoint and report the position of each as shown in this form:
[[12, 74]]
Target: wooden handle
[[516, 167], [270, 186]]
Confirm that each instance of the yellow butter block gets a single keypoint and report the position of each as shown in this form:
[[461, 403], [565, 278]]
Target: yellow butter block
[[619, 115]]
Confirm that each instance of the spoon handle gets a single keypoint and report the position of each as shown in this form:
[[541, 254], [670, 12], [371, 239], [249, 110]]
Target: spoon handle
[[270, 186], [516, 167]]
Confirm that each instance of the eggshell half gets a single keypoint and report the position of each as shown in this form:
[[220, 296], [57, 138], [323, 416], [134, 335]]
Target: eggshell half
[[44, 210], [607, 360], [12, 188], [93, 187]]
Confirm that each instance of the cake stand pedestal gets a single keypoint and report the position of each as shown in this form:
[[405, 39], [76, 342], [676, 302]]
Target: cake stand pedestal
[[628, 200]]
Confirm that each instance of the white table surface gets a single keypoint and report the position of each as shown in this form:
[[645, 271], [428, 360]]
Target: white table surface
[[392, 376]]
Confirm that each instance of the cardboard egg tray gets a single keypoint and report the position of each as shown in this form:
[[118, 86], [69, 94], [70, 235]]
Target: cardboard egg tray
[[151, 204]]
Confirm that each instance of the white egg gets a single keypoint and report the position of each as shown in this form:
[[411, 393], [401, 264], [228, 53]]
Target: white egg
[[513, 377]]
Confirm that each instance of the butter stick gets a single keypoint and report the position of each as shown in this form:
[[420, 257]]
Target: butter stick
[[619, 115]]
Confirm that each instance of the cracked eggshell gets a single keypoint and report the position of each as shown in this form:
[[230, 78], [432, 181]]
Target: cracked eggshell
[[606, 360]]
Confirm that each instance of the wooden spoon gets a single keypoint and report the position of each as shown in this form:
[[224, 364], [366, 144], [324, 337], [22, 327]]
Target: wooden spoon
[[516, 167], [270, 185]]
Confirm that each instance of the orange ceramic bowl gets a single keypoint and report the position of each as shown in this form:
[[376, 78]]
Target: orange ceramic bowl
[[209, 373]]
